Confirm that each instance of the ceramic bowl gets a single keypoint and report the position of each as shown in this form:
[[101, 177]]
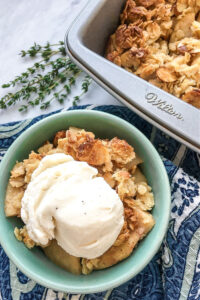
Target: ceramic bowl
[[33, 262]]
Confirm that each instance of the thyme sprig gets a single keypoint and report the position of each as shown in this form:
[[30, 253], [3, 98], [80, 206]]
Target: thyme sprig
[[53, 74]]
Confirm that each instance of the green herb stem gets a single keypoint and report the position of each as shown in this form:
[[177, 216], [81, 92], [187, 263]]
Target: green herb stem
[[40, 81]]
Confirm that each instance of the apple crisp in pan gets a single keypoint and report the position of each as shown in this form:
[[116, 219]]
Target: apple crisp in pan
[[159, 40]]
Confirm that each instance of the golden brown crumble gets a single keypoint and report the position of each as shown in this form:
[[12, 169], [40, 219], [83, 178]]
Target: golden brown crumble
[[22, 236], [159, 40], [117, 162]]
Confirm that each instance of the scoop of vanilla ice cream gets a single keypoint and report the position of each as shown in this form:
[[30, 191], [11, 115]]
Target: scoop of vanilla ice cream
[[66, 201]]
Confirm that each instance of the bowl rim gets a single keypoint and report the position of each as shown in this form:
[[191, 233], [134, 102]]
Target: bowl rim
[[130, 273]]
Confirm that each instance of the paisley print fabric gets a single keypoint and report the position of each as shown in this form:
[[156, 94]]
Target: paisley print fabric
[[174, 272]]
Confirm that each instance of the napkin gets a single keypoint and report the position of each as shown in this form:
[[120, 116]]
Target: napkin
[[174, 272]]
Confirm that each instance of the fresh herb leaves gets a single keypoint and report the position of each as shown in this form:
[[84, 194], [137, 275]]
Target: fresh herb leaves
[[53, 74]]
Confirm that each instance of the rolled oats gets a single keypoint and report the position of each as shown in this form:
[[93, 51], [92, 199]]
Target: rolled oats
[[160, 42]]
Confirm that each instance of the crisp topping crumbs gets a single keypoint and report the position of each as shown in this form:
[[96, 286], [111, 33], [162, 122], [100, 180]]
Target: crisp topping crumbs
[[116, 162], [22, 235], [160, 42]]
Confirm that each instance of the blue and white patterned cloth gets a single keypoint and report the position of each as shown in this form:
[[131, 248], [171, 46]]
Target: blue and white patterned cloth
[[174, 272]]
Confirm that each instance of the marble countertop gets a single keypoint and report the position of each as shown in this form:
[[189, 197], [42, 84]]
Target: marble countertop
[[24, 22]]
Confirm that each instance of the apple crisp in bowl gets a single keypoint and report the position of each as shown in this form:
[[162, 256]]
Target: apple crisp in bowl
[[117, 163], [159, 40], [107, 156]]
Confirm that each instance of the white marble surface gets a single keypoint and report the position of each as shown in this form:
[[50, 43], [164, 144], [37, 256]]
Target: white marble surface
[[24, 22]]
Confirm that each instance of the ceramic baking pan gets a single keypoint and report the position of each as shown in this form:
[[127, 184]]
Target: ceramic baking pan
[[85, 43]]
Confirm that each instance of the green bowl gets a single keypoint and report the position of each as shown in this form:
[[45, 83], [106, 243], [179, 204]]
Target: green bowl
[[33, 262]]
